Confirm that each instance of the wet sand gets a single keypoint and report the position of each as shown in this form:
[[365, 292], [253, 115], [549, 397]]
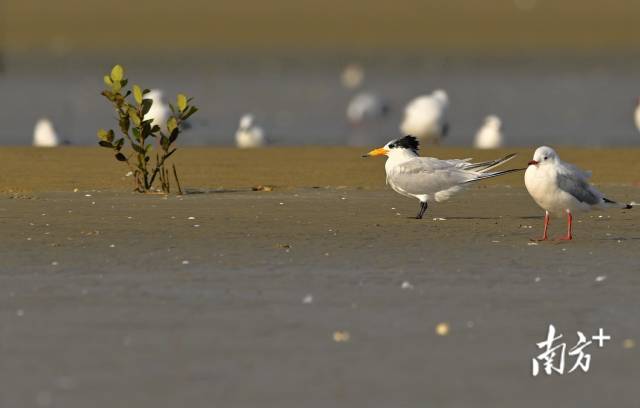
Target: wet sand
[[110, 298]]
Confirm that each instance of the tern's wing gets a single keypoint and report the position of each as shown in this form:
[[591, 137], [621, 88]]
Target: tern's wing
[[425, 175], [577, 186]]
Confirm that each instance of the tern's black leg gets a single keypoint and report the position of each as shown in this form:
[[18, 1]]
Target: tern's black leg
[[423, 209]]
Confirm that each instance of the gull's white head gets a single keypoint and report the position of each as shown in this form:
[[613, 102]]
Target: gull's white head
[[407, 145], [493, 121], [440, 96], [544, 156], [246, 121]]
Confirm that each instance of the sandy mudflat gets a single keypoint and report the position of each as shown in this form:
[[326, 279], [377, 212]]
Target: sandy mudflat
[[113, 299], [26, 169]]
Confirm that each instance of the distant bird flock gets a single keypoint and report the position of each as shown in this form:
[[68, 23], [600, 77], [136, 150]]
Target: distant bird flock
[[424, 117]]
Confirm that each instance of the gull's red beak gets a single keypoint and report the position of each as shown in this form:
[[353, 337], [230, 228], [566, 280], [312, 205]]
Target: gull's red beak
[[534, 162]]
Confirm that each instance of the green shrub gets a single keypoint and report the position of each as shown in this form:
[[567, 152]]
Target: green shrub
[[141, 135]]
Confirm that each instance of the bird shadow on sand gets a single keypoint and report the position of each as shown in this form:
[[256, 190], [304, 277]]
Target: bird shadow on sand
[[196, 191], [619, 239], [471, 218]]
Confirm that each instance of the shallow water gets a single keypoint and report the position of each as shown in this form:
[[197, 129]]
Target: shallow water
[[300, 100]]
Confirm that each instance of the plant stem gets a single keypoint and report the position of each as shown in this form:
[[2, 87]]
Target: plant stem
[[175, 174]]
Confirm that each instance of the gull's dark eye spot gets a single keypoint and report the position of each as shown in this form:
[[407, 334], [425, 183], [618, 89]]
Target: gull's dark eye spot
[[545, 157], [391, 146]]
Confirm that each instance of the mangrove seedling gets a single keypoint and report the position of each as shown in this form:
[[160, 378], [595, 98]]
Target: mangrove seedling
[[140, 136]]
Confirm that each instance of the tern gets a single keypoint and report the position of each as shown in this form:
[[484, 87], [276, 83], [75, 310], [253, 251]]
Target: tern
[[430, 179], [490, 134], [426, 117], [559, 187], [249, 134]]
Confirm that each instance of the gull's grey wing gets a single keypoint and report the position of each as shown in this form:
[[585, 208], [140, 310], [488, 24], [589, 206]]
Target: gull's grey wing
[[579, 188]]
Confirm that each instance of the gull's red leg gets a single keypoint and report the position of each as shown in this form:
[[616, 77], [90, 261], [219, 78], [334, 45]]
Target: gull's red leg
[[546, 228], [569, 236]]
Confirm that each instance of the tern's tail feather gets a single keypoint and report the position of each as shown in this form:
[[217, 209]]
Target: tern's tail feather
[[617, 205], [491, 175], [488, 165]]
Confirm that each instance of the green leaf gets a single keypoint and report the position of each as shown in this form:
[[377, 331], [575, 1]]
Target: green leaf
[[146, 105], [117, 73], [133, 115], [174, 135], [124, 124], [104, 143], [136, 133], [103, 135], [172, 123], [182, 102], [121, 157], [138, 148], [190, 112], [137, 94]]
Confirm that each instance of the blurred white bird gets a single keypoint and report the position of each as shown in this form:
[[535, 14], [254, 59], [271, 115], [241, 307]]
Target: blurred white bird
[[352, 76], [159, 111], [490, 135], [366, 106], [637, 114], [426, 117], [560, 188], [248, 134], [44, 134], [428, 178]]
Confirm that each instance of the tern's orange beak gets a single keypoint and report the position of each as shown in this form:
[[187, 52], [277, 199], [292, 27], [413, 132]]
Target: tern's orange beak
[[377, 152], [534, 162]]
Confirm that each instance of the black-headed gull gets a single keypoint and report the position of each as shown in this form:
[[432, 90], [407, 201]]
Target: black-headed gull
[[490, 135], [562, 188], [366, 106], [44, 134], [249, 134], [159, 110], [426, 117], [430, 179]]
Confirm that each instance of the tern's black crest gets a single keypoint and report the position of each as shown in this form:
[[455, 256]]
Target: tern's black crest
[[408, 142]]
